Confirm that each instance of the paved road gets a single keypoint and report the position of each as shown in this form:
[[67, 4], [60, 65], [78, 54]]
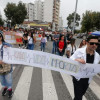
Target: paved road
[[41, 84]]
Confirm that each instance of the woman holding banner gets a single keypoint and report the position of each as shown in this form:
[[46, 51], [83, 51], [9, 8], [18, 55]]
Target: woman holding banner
[[5, 70], [85, 55]]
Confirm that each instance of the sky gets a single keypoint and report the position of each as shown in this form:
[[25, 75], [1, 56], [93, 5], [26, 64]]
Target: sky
[[66, 7]]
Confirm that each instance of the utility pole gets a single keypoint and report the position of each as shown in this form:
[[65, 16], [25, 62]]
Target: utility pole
[[74, 17]]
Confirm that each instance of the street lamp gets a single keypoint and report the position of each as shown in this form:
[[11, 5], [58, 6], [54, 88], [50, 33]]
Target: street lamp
[[74, 17]]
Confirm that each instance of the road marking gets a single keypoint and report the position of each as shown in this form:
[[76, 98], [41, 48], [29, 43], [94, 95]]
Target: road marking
[[95, 88], [69, 84], [49, 91], [23, 86]]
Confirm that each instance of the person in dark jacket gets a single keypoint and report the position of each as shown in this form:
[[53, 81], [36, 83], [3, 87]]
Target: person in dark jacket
[[61, 45]]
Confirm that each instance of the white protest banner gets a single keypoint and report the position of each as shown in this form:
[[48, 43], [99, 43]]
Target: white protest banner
[[49, 61]]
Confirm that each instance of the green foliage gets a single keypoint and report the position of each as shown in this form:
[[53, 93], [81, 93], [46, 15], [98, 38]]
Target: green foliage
[[77, 31], [1, 21], [97, 21], [10, 10], [70, 19], [90, 21], [86, 22], [15, 13]]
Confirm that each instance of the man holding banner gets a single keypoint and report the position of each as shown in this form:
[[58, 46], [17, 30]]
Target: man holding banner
[[85, 55]]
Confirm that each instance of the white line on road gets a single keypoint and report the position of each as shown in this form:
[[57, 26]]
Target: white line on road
[[95, 88], [49, 91], [69, 84], [23, 86]]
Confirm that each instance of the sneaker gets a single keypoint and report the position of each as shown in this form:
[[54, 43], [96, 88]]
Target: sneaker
[[4, 92], [10, 93]]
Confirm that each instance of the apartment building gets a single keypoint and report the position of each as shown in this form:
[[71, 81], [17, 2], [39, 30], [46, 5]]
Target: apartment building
[[38, 10], [60, 25], [30, 11], [51, 12], [56, 11], [47, 11]]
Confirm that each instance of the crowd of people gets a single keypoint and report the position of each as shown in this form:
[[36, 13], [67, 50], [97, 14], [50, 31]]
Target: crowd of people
[[63, 44]]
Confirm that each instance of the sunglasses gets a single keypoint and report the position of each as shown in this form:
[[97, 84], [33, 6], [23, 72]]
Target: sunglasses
[[92, 43]]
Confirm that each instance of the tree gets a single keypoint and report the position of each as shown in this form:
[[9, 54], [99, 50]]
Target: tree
[[70, 20], [90, 21], [96, 20], [15, 13], [1, 21], [21, 13], [87, 23]]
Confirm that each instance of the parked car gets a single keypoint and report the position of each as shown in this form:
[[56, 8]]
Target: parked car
[[79, 35]]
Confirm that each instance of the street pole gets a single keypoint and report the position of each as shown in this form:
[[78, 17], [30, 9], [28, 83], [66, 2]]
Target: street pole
[[74, 17]]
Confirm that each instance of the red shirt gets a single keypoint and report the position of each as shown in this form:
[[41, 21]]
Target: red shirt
[[61, 44]]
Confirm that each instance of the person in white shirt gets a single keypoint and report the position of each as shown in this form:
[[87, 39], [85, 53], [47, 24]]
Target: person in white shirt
[[71, 48], [82, 44], [85, 55], [43, 42], [30, 41]]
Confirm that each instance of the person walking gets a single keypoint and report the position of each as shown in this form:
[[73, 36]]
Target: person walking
[[5, 75], [71, 48], [25, 40], [55, 39], [30, 41], [61, 45], [82, 44], [85, 55], [69, 38], [43, 42]]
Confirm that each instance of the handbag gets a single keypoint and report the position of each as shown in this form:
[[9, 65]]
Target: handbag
[[5, 68]]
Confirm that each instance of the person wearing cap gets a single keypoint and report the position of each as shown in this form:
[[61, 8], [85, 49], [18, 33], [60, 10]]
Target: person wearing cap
[[83, 56], [5, 78]]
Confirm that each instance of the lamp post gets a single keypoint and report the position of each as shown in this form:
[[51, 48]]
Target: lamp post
[[74, 17]]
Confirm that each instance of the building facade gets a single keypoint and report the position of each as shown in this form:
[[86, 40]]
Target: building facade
[[56, 11], [38, 10], [30, 11], [60, 25], [51, 12], [47, 11]]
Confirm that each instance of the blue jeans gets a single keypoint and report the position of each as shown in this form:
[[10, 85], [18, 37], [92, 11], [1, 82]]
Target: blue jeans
[[6, 80], [30, 46], [43, 46], [54, 50]]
